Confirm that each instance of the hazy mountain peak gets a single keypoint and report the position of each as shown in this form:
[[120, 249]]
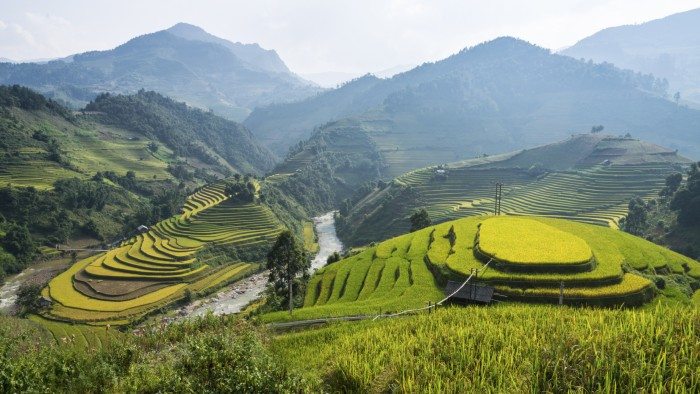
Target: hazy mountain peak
[[667, 47], [251, 54]]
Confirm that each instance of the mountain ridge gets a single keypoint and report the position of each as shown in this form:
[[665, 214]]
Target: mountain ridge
[[183, 62]]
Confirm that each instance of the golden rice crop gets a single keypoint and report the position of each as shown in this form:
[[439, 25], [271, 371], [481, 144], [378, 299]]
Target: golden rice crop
[[519, 240], [512, 348]]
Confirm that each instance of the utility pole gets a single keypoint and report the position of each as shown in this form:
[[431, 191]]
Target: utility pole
[[497, 200], [561, 293]]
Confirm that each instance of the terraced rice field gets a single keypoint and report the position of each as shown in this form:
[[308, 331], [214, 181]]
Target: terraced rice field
[[407, 271], [597, 195], [78, 335], [39, 174], [157, 267]]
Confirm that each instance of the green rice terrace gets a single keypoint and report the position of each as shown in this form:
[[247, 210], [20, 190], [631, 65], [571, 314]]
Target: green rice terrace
[[157, 267], [596, 265], [595, 187]]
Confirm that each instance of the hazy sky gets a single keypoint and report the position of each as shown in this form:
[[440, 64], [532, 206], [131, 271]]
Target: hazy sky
[[320, 35]]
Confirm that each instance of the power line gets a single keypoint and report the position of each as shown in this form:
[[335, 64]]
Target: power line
[[435, 305]]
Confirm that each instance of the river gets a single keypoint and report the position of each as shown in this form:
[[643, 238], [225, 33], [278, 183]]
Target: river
[[8, 291], [238, 295]]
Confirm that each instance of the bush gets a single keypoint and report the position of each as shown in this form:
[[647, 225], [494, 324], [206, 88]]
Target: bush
[[333, 258], [28, 299]]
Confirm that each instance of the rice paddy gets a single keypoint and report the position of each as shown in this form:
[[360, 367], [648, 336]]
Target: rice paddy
[[597, 194], [409, 271], [159, 266], [504, 349]]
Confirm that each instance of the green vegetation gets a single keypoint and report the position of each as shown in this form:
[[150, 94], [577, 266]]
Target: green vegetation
[[188, 132], [672, 217], [506, 348], [409, 271], [420, 219], [310, 239], [206, 355], [287, 260]]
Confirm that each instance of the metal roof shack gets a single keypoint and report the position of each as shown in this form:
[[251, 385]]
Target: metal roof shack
[[470, 293]]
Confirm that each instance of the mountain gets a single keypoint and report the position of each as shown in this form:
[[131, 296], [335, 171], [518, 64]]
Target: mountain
[[497, 96], [183, 62], [668, 48]]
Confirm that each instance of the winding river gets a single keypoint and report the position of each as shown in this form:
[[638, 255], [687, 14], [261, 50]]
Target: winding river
[[243, 292]]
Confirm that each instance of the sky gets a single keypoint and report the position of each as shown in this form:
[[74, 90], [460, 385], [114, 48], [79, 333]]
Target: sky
[[319, 36]]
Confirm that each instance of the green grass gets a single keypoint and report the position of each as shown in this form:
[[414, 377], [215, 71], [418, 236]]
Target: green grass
[[398, 274], [507, 348], [310, 241]]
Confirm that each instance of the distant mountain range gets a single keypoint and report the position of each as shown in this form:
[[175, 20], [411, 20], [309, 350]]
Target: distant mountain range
[[668, 47], [501, 95], [183, 62]]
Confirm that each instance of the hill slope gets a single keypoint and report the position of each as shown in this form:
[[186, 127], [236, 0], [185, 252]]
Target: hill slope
[[183, 62], [668, 47], [88, 178], [588, 177], [491, 98], [408, 271]]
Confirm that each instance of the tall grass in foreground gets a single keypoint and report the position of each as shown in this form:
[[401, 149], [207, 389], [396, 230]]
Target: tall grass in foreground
[[510, 348]]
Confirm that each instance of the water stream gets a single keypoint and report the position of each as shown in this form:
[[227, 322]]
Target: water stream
[[243, 292], [8, 291]]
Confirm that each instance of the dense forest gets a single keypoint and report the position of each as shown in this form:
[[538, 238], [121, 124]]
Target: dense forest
[[672, 219]]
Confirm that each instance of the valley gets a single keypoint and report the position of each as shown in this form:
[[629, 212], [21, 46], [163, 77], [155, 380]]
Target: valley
[[182, 212]]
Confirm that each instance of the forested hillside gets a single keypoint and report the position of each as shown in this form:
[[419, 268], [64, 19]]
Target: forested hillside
[[183, 62], [498, 96], [187, 131]]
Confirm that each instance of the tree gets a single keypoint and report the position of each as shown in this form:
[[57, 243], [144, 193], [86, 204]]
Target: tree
[[636, 219], [18, 241], [673, 182], [153, 147], [597, 129], [286, 260], [677, 97], [420, 219], [687, 199], [240, 191], [452, 236]]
